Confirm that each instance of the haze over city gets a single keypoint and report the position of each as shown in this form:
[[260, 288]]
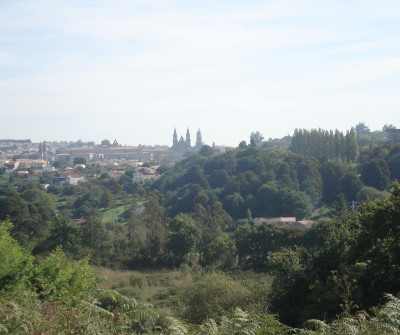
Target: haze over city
[[135, 70]]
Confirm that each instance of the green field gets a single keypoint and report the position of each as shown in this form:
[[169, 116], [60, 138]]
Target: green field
[[114, 213], [4, 179]]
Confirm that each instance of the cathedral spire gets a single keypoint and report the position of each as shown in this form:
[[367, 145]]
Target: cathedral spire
[[175, 138], [199, 140], [188, 144]]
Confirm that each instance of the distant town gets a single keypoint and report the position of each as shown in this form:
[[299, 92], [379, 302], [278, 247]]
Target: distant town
[[32, 160]]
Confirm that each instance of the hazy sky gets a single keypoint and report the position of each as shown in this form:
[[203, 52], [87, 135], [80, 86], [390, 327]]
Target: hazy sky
[[132, 70]]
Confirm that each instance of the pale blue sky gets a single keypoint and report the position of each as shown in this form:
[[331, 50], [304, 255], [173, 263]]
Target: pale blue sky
[[133, 70]]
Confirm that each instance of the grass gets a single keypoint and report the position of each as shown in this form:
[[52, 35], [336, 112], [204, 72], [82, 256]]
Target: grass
[[109, 277], [113, 213], [320, 213], [161, 291], [4, 179]]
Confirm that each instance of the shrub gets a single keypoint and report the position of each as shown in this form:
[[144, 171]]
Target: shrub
[[138, 280], [58, 279], [212, 295], [15, 262], [132, 292]]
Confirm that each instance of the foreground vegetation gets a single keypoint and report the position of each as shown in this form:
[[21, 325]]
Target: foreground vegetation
[[342, 265]]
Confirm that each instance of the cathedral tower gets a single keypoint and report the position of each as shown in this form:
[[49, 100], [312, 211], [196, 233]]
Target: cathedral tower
[[188, 144], [175, 139], [199, 141]]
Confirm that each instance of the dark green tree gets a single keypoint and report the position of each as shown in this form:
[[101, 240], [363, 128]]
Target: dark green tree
[[79, 160], [331, 173], [206, 151], [394, 165], [362, 129], [242, 145], [256, 138], [290, 286], [375, 254], [155, 219], [350, 184], [65, 234], [375, 173], [352, 151], [183, 236], [340, 205], [94, 233], [217, 250], [386, 127]]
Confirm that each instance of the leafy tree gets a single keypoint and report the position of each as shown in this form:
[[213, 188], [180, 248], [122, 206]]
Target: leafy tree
[[184, 235], [255, 244], [154, 218], [57, 279], [136, 230], [340, 205], [14, 208], [206, 151], [79, 160], [350, 184], [368, 193], [375, 253], [256, 138], [290, 285], [94, 233], [15, 262], [54, 189], [282, 201], [219, 178], [352, 151], [68, 189], [386, 127], [217, 217], [394, 165], [242, 145], [375, 173], [106, 199], [43, 201], [234, 204], [361, 128], [331, 173], [63, 233]]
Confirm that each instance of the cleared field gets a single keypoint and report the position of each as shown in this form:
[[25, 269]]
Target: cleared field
[[114, 213], [4, 179]]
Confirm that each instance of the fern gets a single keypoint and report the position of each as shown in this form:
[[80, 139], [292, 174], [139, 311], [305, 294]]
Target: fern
[[388, 317], [15, 319], [316, 325], [133, 314], [387, 321], [176, 327], [210, 327], [238, 324]]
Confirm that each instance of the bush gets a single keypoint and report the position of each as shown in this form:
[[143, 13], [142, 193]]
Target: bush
[[58, 279], [15, 261], [368, 193], [138, 280], [132, 292], [212, 295]]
